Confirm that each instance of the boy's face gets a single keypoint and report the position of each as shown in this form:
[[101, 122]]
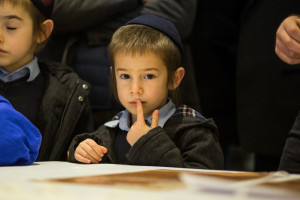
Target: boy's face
[[142, 77], [16, 37]]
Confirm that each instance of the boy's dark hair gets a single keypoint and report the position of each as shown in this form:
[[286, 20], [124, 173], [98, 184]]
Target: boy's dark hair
[[140, 39], [37, 17]]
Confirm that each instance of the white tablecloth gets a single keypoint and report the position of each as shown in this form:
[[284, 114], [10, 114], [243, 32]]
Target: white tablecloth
[[27, 182]]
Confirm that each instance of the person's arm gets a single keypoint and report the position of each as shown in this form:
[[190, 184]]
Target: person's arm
[[181, 12], [102, 136], [20, 139], [76, 15], [288, 40]]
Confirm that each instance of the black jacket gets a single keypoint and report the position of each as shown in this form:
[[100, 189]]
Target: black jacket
[[184, 141], [290, 159], [64, 110]]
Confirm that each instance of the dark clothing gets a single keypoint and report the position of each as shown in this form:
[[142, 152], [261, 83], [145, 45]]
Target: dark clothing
[[25, 96], [290, 159], [64, 109], [267, 89], [184, 141], [254, 95], [121, 146], [214, 47], [103, 17]]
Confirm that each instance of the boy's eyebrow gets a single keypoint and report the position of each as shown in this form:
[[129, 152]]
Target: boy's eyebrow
[[13, 17], [147, 69], [151, 69]]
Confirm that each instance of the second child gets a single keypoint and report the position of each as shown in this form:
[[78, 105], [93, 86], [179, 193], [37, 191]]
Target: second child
[[49, 94], [146, 55]]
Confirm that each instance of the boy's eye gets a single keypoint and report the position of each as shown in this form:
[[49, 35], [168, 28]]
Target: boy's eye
[[149, 76], [11, 28], [125, 76]]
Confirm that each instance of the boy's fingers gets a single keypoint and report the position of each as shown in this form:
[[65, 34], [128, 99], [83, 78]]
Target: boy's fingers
[[104, 150], [96, 148], [155, 118], [82, 159], [88, 149], [93, 149], [81, 153], [140, 112]]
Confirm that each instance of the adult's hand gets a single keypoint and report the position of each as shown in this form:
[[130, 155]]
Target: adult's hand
[[288, 40]]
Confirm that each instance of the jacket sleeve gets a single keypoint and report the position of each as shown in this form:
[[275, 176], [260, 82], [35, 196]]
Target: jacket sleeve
[[181, 12], [76, 15], [196, 148], [20, 139], [101, 136], [79, 138], [290, 159]]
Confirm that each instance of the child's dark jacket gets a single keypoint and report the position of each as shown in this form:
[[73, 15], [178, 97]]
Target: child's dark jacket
[[64, 110], [184, 141]]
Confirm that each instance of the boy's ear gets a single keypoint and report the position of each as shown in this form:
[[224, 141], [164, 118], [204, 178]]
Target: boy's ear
[[178, 76], [47, 27]]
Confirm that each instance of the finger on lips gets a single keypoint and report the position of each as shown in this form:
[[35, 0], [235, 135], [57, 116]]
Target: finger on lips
[[140, 112]]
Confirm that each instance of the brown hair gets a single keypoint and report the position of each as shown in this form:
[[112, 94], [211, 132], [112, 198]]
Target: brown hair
[[37, 18], [140, 39]]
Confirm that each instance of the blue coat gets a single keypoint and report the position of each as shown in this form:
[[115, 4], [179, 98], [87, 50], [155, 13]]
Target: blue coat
[[20, 140]]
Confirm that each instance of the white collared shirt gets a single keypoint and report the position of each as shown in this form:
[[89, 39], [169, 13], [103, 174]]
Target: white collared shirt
[[32, 68]]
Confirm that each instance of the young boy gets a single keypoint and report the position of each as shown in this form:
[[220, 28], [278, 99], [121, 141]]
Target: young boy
[[145, 57], [49, 94], [20, 139]]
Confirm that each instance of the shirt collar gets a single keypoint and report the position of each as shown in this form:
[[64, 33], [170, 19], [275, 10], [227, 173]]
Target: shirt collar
[[124, 122], [32, 69]]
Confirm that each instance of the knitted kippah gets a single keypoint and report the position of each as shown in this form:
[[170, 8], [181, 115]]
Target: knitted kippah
[[44, 6], [160, 24]]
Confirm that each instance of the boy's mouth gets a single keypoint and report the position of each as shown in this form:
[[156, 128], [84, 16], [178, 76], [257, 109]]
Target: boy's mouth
[[134, 103], [2, 51]]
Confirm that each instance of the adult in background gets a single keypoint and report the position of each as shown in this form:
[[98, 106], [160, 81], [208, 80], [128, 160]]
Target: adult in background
[[250, 92], [267, 89], [288, 49]]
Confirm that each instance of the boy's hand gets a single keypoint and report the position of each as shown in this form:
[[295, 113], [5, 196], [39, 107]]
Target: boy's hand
[[88, 151], [140, 128], [288, 40]]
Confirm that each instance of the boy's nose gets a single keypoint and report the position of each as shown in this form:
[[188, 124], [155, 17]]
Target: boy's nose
[[136, 88]]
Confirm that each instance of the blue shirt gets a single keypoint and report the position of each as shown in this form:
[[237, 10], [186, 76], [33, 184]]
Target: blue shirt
[[32, 69], [124, 122]]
